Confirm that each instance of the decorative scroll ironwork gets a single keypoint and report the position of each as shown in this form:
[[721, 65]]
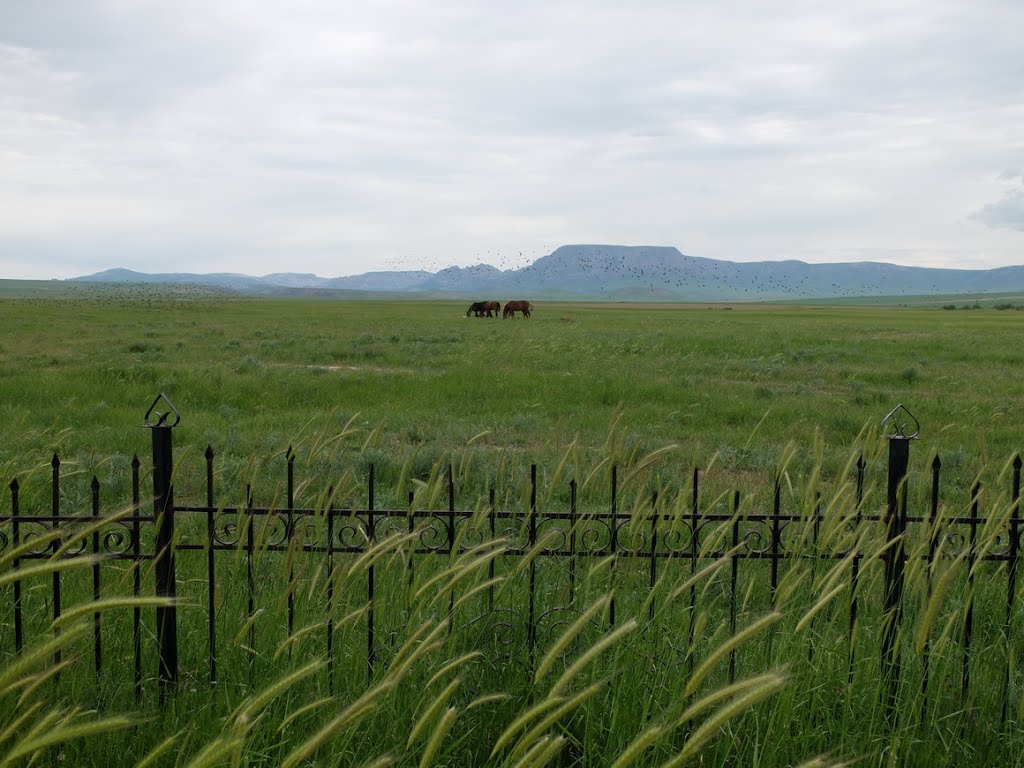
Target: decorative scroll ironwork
[[515, 531], [553, 535], [271, 530], [389, 525], [904, 424], [794, 538], [226, 528], [755, 536], [633, 537], [1001, 545], [155, 418], [432, 533], [350, 532], [471, 531], [593, 536], [953, 541], [677, 540], [118, 539], [47, 544], [507, 627], [554, 621]]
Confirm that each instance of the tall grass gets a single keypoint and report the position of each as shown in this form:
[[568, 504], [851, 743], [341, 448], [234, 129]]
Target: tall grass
[[665, 685]]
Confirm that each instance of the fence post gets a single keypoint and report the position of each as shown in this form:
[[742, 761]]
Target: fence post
[[572, 543], [933, 546], [1011, 587], [613, 543], [855, 573], [894, 555], [531, 627], [54, 549], [211, 568], [371, 540], [19, 634], [161, 426]]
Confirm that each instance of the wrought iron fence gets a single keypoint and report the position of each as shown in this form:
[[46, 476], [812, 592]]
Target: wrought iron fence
[[693, 536]]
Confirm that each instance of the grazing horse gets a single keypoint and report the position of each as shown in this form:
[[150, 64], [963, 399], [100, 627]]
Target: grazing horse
[[484, 308], [511, 307]]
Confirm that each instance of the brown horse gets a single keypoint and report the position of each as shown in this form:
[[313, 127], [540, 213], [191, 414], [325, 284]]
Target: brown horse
[[511, 307], [484, 308]]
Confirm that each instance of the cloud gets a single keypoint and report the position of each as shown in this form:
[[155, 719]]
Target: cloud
[[340, 137], [1008, 212]]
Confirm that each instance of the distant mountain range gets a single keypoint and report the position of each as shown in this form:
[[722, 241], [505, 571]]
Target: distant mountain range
[[620, 273]]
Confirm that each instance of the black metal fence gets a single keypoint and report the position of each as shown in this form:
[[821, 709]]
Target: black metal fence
[[694, 536]]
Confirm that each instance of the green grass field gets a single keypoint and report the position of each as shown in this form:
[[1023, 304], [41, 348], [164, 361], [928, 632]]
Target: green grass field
[[252, 376], [742, 392]]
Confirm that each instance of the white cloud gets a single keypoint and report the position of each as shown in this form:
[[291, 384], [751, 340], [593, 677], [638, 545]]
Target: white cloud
[[342, 137], [1007, 212]]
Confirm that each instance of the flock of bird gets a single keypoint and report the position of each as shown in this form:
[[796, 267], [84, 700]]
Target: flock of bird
[[665, 272], [660, 271], [632, 272], [497, 258]]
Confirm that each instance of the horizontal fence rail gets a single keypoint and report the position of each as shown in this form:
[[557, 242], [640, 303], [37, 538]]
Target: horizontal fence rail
[[636, 545]]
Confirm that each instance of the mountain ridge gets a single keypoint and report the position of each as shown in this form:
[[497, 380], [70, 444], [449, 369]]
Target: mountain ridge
[[616, 273]]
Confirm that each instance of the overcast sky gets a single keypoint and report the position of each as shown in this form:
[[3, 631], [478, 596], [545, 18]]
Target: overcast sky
[[343, 137]]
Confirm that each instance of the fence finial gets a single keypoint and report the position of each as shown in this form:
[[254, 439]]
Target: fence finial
[[162, 419], [898, 417]]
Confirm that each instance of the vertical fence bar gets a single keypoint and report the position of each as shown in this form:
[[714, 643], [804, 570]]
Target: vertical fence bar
[[776, 537], [1011, 581], [371, 537], [290, 455], [55, 547], [410, 564], [933, 545], [19, 637], [734, 566], [531, 627], [972, 559], [96, 633], [330, 591], [694, 511], [137, 575], [814, 569], [490, 566], [893, 557], [613, 541], [250, 580], [654, 552], [572, 542], [211, 569], [855, 571], [776, 553], [451, 542], [166, 580]]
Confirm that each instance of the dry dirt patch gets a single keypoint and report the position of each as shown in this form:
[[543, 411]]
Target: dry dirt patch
[[356, 369]]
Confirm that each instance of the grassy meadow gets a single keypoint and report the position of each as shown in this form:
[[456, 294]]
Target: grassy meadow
[[729, 385], [745, 393]]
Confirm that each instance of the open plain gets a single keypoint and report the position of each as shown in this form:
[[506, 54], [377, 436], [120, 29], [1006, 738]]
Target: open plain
[[746, 394]]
